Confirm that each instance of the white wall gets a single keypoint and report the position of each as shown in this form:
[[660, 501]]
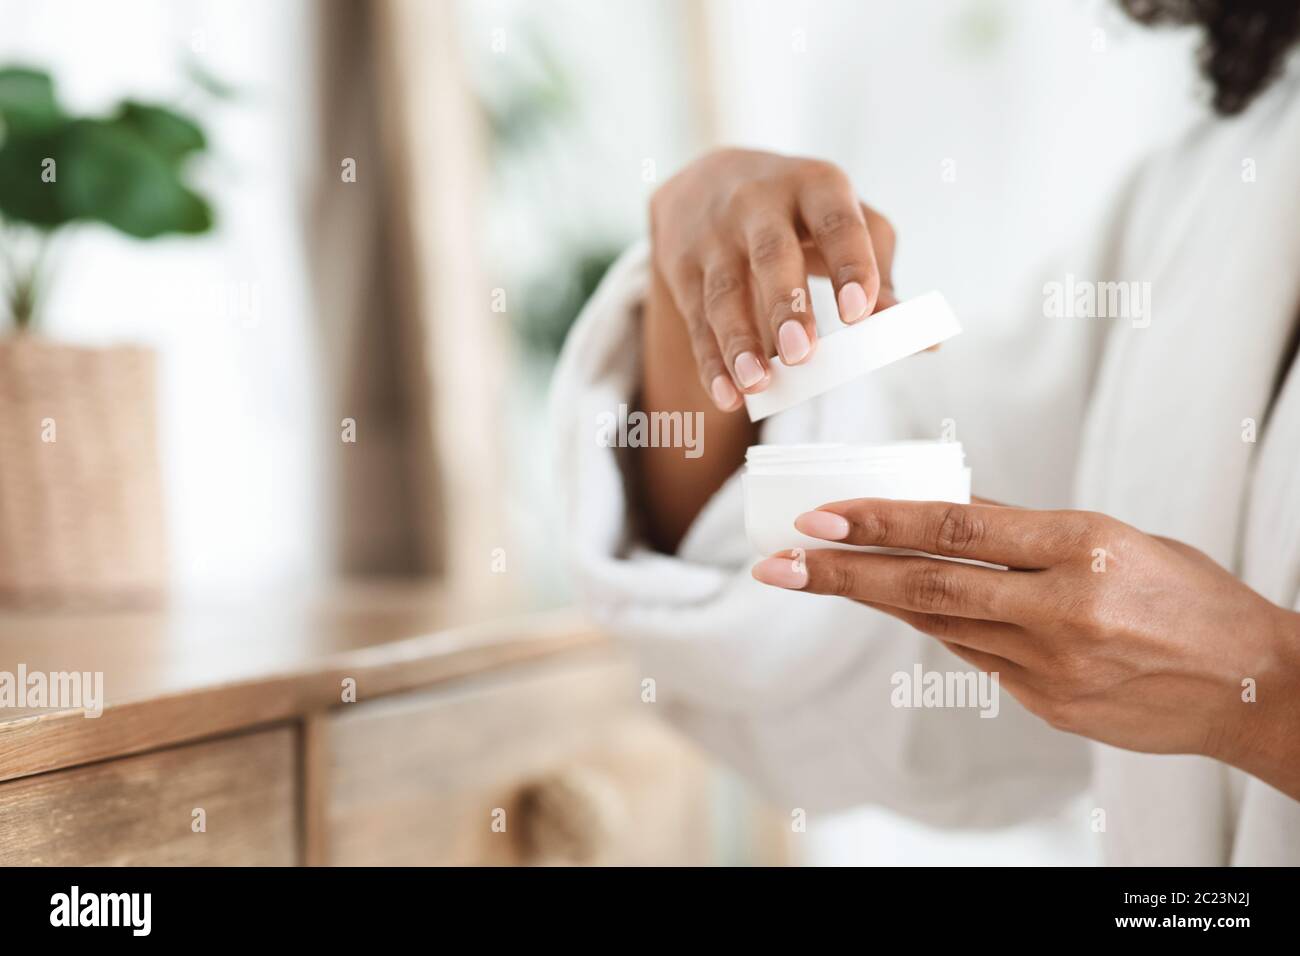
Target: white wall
[[229, 313]]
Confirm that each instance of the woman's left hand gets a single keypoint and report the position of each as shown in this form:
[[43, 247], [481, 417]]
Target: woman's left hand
[[1100, 629]]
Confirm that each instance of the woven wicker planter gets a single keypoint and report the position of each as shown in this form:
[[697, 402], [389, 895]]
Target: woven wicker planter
[[81, 510]]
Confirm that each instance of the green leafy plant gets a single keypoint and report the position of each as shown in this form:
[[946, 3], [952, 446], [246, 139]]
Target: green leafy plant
[[125, 170]]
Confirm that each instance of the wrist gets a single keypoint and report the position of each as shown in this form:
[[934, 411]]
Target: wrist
[[1264, 720]]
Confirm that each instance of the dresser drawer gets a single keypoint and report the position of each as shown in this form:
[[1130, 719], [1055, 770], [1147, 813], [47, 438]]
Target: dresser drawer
[[141, 810], [557, 763]]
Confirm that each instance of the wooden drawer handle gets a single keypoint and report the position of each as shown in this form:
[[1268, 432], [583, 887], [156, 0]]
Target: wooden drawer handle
[[571, 816]]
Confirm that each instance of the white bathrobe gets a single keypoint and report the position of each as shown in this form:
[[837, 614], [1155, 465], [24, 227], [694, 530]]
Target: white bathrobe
[[1147, 424]]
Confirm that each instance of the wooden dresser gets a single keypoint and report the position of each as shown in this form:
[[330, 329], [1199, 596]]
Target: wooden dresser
[[370, 728]]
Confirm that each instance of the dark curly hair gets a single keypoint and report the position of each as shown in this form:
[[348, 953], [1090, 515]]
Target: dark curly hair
[[1246, 41]]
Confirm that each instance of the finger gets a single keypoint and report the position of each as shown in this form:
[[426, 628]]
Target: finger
[[834, 220], [1009, 672], [727, 312], [976, 500], [781, 281], [1014, 537], [981, 644], [913, 584], [1016, 680], [716, 381], [884, 241], [992, 639]]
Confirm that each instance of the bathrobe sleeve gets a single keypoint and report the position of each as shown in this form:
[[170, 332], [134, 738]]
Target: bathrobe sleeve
[[794, 690]]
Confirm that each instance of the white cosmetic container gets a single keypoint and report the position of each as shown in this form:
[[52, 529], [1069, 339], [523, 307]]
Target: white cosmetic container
[[781, 482]]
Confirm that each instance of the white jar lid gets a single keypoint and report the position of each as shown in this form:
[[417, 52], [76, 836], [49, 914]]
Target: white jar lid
[[854, 350]]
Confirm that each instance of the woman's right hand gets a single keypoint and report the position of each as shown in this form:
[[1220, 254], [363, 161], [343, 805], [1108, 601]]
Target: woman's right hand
[[736, 234]]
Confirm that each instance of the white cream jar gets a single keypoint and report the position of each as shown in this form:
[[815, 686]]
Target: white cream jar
[[783, 481]]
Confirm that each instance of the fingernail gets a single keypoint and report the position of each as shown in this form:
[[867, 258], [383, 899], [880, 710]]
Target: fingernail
[[781, 573], [749, 372], [793, 341], [724, 393], [822, 524], [853, 302]]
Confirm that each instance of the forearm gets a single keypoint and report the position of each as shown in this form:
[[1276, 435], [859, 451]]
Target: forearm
[[1265, 740], [671, 488]]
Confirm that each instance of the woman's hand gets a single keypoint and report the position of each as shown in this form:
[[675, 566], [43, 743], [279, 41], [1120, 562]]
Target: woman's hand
[[735, 236], [1102, 630]]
